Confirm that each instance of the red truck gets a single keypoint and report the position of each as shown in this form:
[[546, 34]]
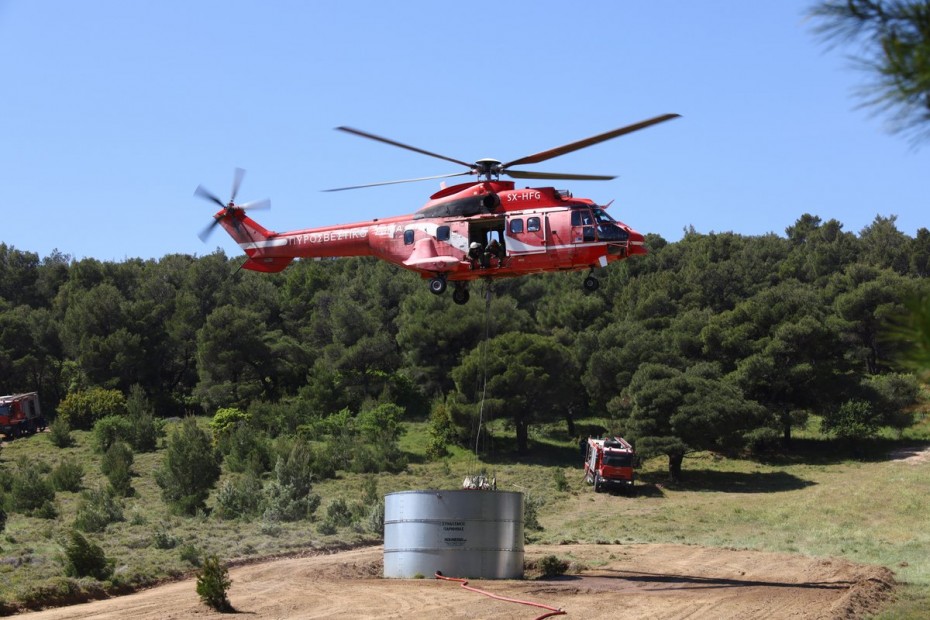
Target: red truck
[[20, 414], [609, 463]]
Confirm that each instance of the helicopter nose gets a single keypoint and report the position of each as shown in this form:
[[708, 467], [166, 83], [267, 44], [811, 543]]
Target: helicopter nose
[[636, 243]]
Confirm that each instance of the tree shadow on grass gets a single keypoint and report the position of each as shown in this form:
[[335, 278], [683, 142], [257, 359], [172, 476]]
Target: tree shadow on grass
[[830, 451], [539, 453], [729, 482]]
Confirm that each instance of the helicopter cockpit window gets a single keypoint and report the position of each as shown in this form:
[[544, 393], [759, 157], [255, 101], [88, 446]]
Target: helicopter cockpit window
[[607, 227], [532, 224], [516, 227], [408, 237], [442, 233], [581, 217]]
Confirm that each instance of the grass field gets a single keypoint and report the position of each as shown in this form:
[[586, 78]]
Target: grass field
[[819, 501]]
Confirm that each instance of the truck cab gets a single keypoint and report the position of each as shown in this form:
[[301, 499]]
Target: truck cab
[[20, 414], [610, 463]]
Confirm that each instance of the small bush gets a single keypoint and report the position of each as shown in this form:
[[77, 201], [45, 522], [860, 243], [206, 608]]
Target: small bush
[[375, 520], [189, 469], [531, 506], [239, 498], [68, 475], [96, 510], [116, 465], [226, 420], [558, 477], [82, 408], [853, 420], [31, 492], [190, 554], [110, 430], [162, 538], [145, 428], [552, 566], [289, 496], [212, 584], [86, 559], [59, 432], [246, 450], [284, 503], [339, 513]]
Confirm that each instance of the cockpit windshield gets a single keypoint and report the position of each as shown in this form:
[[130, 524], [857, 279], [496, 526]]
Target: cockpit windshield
[[607, 227]]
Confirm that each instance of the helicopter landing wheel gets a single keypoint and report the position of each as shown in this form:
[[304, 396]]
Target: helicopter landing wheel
[[591, 284], [461, 295], [437, 285]]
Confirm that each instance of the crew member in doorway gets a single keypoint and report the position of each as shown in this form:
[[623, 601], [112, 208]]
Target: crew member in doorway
[[475, 254]]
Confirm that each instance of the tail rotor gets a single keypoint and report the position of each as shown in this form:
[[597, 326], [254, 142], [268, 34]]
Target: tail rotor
[[228, 207]]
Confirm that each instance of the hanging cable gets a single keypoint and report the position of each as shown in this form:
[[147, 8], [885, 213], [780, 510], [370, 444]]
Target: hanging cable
[[552, 611], [484, 362]]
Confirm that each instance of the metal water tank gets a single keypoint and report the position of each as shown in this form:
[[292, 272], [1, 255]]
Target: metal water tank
[[461, 533]]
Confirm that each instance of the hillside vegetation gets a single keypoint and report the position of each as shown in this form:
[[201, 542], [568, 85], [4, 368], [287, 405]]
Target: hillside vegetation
[[199, 409]]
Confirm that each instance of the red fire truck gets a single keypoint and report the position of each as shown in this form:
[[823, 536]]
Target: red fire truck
[[20, 415], [609, 463]]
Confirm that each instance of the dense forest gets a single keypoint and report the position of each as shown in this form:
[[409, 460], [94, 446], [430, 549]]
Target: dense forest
[[719, 341]]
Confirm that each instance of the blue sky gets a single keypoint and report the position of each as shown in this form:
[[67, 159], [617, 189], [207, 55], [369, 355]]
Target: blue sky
[[113, 112]]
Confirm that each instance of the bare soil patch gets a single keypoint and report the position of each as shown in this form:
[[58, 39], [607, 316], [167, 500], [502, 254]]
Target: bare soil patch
[[914, 455], [655, 581]]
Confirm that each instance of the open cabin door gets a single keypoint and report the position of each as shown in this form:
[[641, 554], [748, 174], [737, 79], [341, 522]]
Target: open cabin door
[[527, 234]]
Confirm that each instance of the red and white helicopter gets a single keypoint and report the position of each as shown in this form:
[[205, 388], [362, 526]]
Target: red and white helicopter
[[481, 229]]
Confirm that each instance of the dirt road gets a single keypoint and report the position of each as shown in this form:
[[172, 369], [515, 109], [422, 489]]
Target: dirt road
[[642, 581]]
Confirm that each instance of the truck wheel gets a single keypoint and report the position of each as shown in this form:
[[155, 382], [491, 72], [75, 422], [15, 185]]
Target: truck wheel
[[597, 483]]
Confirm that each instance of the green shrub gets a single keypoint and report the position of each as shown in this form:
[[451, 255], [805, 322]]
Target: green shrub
[[854, 419], [68, 475], [239, 497], [189, 468], [212, 584], [552, 566], [110, 430], [283, 503], [289, 496], [86, 559], [246, 449], [190, 554], [162, 537], [226, 420], [558, 477], [531, 506], [145, 428], [83, 408], [892, 395], [32, 492], [338, 513], [374, 523], [116, 465], [59, 432], [96, 510]]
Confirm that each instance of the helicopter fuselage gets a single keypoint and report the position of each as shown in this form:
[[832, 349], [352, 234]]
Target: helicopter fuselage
[[488, 229]]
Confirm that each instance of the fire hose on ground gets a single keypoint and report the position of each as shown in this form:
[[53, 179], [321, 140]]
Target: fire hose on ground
[[552, 611]]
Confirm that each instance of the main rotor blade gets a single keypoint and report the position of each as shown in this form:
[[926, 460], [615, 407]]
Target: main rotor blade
[[205, 193], [438, 176], [403, 146], [523, 174], [238, 173], [574, 146]]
